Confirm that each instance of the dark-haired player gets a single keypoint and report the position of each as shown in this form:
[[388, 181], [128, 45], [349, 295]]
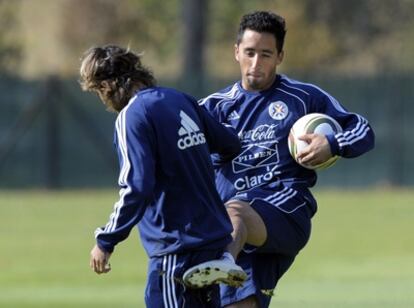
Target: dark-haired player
[[266, 192]]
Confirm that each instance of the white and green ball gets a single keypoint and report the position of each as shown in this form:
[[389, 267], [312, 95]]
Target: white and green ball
[[313, 123]]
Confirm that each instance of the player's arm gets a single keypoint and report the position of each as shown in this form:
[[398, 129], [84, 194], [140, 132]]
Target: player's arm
[[218, 158], [135, 146], [221, 137], [357, 136], [356, 139]]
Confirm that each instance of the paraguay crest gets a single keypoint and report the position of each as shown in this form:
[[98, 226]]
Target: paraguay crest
[[278, 110]]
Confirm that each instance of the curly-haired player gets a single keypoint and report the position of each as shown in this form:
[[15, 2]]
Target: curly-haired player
[[163, 140]]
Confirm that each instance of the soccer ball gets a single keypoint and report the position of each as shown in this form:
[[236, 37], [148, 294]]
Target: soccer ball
[[313, 123]]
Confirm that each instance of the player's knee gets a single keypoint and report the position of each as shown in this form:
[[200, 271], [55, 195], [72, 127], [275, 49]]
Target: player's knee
[[246, 216], [237, 210]]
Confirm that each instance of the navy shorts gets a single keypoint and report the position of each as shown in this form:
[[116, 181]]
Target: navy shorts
[[166, 289], [287, 216]]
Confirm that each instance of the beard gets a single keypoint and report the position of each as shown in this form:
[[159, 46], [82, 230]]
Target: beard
[[254, 84], [258, 84]]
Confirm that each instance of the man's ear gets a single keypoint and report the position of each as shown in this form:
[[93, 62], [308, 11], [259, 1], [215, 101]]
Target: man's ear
[[236, 52], [280, 57]]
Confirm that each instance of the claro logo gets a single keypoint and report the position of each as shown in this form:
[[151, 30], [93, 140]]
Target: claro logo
[[189, 132]]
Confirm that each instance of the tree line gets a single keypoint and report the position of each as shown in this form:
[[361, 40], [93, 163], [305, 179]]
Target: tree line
[[178, 37]]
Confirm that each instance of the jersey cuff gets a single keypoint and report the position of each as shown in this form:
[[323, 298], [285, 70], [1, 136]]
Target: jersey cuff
[[333, 143], [105, 246]]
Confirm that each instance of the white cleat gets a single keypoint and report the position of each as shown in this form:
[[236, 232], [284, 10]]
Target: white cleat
[[213, 272]]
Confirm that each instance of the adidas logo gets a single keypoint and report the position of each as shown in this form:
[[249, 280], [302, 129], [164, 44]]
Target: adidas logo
[[233, 116], [190, 132]]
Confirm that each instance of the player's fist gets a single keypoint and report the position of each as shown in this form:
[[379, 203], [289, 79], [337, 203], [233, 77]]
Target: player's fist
[[99, 261]]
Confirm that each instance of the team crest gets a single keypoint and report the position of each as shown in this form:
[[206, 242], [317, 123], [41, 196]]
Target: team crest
[[278, 110]]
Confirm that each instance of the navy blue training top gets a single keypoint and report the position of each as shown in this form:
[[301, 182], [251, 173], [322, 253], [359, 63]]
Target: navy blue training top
[[263, 121], [167, 183]]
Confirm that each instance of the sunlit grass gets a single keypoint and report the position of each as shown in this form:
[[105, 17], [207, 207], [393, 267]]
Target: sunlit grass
[[360, 254]]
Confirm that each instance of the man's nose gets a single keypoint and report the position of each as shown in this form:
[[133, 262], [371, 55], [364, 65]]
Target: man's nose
[[256, 61]]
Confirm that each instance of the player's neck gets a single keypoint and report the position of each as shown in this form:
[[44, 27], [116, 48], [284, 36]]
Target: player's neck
[[138, 87]]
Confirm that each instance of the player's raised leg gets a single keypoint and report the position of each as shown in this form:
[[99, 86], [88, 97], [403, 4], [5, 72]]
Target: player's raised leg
[[244, 220], [207, 273]]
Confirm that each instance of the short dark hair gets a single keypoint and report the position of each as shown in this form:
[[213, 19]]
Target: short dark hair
[[263, 21], [112, 72]]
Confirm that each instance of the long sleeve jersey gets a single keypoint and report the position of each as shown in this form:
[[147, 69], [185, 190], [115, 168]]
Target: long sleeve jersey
[[263, 121], [164, 140]]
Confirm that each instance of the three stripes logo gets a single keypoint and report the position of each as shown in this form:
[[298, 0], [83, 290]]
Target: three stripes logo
[[233, 116], [189, 132]]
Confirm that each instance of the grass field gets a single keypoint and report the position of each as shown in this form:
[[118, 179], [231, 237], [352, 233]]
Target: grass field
[[361, 253]]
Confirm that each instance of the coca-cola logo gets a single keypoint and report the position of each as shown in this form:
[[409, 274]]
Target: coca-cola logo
[[261, 133]]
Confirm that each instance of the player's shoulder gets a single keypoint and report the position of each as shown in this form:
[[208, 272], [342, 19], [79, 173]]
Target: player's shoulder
[[224, 95], [157, 93], [158, 97], [299, 87], [138, 104], [131, 113]]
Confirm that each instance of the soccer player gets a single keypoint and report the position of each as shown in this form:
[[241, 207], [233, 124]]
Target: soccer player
[[163, 139], [266, 192]]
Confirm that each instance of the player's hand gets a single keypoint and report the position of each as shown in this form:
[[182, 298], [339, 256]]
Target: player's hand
[[317, 152], [99, 261]]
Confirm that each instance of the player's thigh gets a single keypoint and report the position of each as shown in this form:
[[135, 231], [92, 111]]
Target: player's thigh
[[263, 274], [288, 225], [256, 229]]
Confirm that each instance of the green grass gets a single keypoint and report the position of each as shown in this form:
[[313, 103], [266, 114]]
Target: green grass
[[360, 254]]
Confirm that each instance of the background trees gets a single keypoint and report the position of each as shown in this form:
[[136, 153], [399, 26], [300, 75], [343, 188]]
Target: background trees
[[337, 37]]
